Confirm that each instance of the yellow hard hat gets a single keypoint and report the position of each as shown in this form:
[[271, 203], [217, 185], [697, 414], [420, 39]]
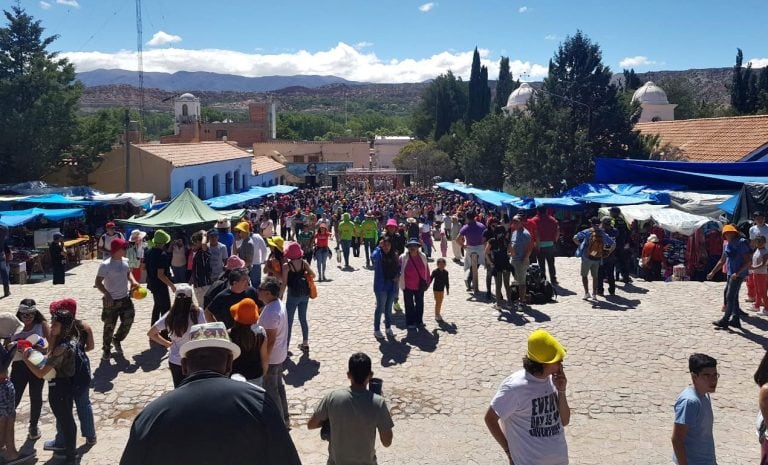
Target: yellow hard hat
[[544, 348]]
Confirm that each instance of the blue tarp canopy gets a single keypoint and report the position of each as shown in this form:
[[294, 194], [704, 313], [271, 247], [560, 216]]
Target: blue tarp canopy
[[254, 193], [694, 176], [55, 199], [494, 198], [13, 218], [621, 194], [729, 206]]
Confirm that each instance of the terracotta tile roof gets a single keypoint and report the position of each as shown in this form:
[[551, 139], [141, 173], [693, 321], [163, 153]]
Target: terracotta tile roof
[[195, 153], [263, 164], [712, 139]]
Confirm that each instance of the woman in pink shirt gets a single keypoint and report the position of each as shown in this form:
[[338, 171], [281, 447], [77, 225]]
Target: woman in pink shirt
[[414, 280]]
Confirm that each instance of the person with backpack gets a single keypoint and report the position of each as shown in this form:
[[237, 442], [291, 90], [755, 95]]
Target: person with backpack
[[497, 253], [177, 323], [591, 245], [81, 382], [737, 257], [60, 360], [295, 273], [105, 241], [520, 249], [607, 271], [251, 338]]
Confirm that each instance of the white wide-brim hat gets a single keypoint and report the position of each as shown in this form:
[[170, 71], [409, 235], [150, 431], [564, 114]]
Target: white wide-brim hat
[[209, 335]]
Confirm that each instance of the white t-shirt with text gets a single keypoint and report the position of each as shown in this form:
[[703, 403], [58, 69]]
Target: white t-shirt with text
[[530, 417]]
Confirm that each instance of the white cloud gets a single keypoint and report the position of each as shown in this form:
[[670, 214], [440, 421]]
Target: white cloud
[[162, 38], [550, 37], [639, 60], [363, 44], [45, 5], [523, 9], [343, 60], [72, 3], [427, 7], [759, 62]]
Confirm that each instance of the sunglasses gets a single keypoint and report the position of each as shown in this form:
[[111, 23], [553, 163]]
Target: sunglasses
[[27, 313]]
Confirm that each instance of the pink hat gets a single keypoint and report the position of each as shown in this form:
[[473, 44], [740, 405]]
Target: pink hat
[[391, 222], [234, 263], [293, 251]]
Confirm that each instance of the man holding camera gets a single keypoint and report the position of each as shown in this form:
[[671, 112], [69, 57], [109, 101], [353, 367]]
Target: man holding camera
[[354, 413]]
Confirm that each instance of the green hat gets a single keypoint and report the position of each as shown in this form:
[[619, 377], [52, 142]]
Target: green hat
[[161, 238]]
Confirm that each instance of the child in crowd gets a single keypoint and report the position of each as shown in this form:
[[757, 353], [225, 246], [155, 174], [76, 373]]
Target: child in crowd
[[443, 243], [759, 270], [439, 286]]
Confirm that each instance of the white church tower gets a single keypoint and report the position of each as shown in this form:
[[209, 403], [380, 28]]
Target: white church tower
[[186, 108], [654, 103]]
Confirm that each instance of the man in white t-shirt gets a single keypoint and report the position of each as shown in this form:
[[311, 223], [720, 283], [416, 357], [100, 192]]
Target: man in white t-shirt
[[757, 229], [115, 281], [274, 320], [532, 406]]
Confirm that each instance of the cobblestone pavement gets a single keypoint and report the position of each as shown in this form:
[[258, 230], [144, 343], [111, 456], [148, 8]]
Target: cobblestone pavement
[[627, 361]]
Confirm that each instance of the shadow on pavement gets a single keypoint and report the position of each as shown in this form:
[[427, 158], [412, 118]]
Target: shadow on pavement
[[632, 289], [300, 373], [537, 315], [446, 327], [616, 303], [398, 319], [106, 372], [149, 359], [756, 338], [563, 292], [426, 341], [393, 352]]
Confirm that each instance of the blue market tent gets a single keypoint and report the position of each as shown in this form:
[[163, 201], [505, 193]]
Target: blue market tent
[[497, 199], [55, 199], [705, 176], [729, 206], [13, 218], [254, 193], [621, 194]]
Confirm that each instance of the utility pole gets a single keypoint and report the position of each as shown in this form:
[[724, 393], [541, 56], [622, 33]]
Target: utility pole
[[127, 151]]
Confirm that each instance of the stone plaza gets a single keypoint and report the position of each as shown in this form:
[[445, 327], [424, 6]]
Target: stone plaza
[[626, 364]]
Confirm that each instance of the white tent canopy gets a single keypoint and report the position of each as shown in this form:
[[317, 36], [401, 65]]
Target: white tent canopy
[[700, 203], [669, 219]]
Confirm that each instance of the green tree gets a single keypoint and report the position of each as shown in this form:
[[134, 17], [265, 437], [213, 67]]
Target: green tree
[[631, 81], [483, 153], [38, 100], [505, 84], [95, 135], [740, 85], [479, 102], [426, 160], [680, 91], [442, 103]]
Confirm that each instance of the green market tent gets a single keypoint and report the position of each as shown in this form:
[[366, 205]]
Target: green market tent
[[185, 210]]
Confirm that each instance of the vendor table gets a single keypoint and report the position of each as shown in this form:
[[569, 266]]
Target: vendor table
[[77, 250]]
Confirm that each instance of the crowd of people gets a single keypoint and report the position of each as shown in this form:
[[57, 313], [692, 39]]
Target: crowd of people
[[224, 302]]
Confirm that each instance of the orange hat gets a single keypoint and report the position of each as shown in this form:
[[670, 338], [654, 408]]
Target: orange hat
[[730, 228], [245, 312]]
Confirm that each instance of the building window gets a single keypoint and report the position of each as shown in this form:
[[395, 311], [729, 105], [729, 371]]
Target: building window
[[228, 182], [314, 159], [184, 110], [216, 185], [201, 187], [245, 182], [298, 158], [237, 181], [221, 134], [189, 185]]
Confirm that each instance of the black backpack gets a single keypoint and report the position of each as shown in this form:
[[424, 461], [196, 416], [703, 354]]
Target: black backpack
[[297, 282], [82, 376], [539, 289]]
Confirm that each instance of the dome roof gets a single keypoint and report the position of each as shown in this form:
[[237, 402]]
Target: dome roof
[[520, 97], [187, 96], [650, 93]]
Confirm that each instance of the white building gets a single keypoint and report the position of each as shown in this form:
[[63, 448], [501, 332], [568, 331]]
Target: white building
[[654, 103], [519, 98], [186, 107]]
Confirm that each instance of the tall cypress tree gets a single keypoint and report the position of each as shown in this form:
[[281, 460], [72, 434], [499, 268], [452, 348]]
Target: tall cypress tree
[[505, 84], [738, 99], [478, 105]]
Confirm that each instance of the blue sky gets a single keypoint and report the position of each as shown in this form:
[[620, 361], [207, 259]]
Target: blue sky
[[399, 40]]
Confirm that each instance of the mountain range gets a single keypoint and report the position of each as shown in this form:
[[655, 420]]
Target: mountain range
[[183, 81]]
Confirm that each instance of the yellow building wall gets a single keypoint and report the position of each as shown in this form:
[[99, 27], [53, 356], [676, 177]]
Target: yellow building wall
[[148, 173]]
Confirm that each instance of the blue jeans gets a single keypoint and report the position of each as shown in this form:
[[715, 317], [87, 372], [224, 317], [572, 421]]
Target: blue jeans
[[321, 255], [368, 245], [345, 245], [414, 307], [732, 287], [384, 301], [179, 274], [256, 275], [84, 414], [291, 304]]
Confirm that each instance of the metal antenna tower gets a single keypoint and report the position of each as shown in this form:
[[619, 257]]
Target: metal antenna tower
[[140, 53]]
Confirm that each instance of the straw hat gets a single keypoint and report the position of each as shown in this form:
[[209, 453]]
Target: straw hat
[[209, 335]]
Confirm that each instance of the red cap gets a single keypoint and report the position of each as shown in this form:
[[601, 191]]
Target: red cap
[[69, 305], [109, 225], [117, 244]]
